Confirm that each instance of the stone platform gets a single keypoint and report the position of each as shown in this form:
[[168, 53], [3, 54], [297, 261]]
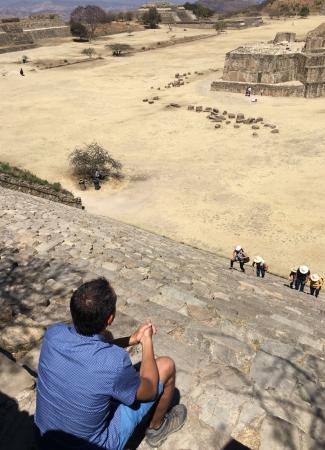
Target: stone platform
[[290, 89], [249, 352]]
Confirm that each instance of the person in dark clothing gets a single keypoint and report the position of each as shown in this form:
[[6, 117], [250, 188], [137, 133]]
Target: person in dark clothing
[[239, 256], [261, 267], [292, 277], [22, 72], [302, 277]]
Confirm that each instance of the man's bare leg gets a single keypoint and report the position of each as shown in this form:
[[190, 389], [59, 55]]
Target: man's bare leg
[[167, 376]]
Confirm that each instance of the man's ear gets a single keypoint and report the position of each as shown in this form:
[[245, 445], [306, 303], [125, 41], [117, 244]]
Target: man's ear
[[110, 319]]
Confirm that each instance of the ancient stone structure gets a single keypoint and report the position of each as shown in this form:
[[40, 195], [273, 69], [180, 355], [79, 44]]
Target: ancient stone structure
[[20, 34], [249, 352], [284, 37], [44, 191], [169, 13], [282, 67]]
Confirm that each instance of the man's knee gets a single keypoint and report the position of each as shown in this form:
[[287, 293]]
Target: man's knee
[[166, 368]]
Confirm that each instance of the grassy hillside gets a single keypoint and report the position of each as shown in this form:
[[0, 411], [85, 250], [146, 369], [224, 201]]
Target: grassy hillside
[[25, 175]]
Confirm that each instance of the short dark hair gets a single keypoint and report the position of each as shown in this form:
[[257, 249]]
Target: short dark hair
[[91, 304]]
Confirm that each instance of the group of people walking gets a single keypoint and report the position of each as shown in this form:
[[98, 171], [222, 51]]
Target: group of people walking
[[299, 277]]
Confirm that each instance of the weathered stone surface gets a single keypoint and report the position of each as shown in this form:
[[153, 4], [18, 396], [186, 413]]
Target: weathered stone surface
[[13, 378], [249, 353], [22, 334]]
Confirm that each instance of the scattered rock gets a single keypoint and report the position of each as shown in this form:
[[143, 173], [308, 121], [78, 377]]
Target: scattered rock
[[155, 98], [255, 127], [225, 113], [190, 107], [199, 108], [259, 119], [145, 100], [174, 105], [236, 125], [207, 109], [217, 125], [228, 122], [255, 134], [215, 110], [151, 102], [272, 126], [176, 75], [275, 131], [240, 116], [231, 115]]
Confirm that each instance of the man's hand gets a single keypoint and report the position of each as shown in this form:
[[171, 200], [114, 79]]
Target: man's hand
[[147, 329]]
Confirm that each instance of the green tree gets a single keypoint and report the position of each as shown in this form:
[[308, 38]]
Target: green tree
[[78, 30], [220, 25], [199, 10], [151, 18], [304, 11]]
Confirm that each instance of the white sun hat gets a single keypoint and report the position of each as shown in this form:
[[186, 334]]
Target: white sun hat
[[258, 260], [238, 247], [303, 269], [294, 269], [315, 277]]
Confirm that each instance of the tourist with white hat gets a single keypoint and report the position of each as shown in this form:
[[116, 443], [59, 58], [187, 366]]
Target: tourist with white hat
[[261, 266], [240, 256], [292, 277], [302, 277], [315, 284]]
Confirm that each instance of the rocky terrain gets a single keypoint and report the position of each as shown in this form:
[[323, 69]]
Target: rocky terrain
[[249, 352]]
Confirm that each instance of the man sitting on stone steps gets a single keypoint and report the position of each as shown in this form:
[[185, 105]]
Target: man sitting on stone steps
[[89, 396]]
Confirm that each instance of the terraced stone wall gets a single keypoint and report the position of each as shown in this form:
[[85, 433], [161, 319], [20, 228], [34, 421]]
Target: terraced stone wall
[[38, 190], [262, 68], [49, 33], [260, 88]]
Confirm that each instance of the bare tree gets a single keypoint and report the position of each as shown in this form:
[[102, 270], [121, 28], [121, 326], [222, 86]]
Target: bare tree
[[118, 49], [91, 16], [86, 160]]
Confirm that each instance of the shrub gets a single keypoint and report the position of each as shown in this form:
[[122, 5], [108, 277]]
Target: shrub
[[91, 157], [89, 52]]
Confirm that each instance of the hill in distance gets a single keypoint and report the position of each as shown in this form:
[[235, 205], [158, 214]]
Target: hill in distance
[[288, 7], [228, 6], [63, 7]]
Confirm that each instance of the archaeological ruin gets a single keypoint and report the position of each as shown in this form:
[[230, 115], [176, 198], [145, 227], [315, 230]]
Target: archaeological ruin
[[24, 33], [283, 67], [169, 13]]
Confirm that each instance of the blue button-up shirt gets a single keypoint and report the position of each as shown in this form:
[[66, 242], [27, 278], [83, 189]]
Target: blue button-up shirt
[[81, 382]]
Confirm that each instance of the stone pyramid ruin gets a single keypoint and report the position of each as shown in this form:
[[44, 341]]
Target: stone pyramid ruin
[[249, 352]]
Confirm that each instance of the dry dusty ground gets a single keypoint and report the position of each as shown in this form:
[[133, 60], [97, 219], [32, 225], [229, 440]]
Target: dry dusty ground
[[211, 188]]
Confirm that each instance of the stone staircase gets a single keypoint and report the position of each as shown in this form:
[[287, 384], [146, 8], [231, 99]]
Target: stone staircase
[[249, 352]]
